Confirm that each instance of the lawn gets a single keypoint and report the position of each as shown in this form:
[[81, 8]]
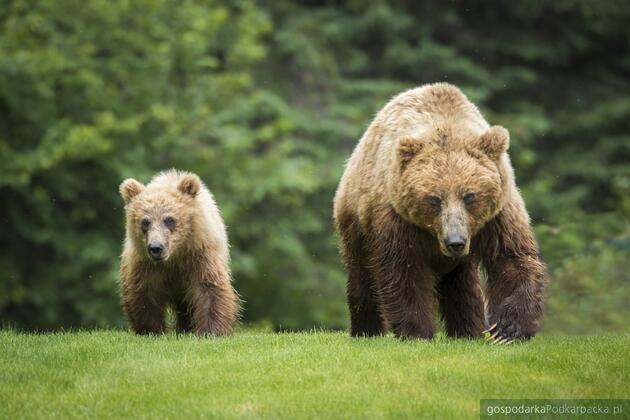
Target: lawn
[[110, 374]]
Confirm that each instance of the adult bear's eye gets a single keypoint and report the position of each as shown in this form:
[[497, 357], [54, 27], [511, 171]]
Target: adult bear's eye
[[169, 222], [469, 198], [434, 201], [144, 224]]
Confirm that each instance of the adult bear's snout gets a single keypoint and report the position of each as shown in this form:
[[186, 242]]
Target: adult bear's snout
[[455, 244]]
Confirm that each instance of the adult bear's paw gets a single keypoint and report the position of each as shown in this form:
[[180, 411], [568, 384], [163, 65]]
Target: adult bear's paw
[[505, 329]]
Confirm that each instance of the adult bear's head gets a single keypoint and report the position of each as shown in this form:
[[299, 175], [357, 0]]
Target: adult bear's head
[[450, 188]]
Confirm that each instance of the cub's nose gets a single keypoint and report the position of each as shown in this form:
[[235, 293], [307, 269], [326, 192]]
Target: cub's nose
[[156, 250], [455, 245]]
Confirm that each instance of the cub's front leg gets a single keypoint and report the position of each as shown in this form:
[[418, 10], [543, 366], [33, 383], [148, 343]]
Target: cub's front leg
[[143, 302], [404, 281], [213, 302]]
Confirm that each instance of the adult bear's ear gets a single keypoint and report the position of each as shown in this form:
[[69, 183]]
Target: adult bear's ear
[[494, 142], [407, 149], [130, 188], [189, 184]]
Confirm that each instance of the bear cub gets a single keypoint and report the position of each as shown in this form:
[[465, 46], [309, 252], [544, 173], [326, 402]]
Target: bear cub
[[175, 254], [427, 199]]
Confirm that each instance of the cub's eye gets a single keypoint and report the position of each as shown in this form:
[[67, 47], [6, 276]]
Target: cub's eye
[[144, 224], [169, 222], [434, 201], [469, 198]]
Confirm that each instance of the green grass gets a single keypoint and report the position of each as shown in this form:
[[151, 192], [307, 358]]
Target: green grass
[[109, 374]]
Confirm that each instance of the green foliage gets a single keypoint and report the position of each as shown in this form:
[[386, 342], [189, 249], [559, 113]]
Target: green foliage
[[585, 288], [265, 101], [113, 374]]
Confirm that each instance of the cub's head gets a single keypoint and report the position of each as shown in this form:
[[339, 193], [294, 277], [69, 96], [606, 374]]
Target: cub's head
[[451, 192], [160, 217]]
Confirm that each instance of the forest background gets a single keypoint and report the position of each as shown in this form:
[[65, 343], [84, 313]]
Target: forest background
[[265, 100]]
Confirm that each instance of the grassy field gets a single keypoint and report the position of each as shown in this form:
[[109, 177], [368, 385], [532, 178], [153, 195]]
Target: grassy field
[[108, 374]]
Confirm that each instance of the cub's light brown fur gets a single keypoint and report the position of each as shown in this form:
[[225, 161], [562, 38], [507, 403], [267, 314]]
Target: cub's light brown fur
[[177, 215], [428, 196]]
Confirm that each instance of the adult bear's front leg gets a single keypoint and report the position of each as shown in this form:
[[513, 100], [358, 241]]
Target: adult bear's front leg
[[404, 280], [516, 276], [461, 301], [365, 318]]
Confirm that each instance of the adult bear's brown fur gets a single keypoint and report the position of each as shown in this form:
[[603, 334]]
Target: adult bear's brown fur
[[426, 198], [175, 253]]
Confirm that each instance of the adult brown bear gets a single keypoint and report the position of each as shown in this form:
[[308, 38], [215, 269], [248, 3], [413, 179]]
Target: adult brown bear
[[426, 198]]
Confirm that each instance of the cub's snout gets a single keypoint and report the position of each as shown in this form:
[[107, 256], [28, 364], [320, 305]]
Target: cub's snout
[[156, 251]]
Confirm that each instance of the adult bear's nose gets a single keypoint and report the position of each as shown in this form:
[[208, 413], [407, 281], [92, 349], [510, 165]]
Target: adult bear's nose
[[455, 244], [156, 250]]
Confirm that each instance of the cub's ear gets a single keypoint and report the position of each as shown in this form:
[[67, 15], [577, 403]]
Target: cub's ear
[[494, 142], [189, 184], [129, 188], [407, 150]]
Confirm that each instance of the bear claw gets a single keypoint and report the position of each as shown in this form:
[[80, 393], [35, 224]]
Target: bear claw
[[490, 328], [496, 334], [499, 339], [504, 327], [507, 335]]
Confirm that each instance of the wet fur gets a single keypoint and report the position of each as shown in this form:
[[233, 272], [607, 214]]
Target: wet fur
[[195, 280], [397, 271]]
